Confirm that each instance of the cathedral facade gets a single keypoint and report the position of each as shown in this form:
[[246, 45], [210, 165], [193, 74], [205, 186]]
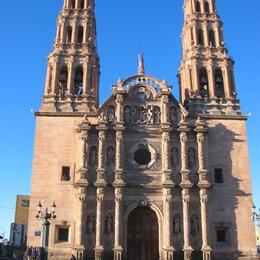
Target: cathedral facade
[[143, 176]]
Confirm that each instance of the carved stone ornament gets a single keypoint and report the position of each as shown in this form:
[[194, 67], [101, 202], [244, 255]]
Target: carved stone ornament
[[142, 115]]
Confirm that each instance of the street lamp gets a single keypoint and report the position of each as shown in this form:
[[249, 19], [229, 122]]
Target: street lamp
[[255, 215], [45, 217]]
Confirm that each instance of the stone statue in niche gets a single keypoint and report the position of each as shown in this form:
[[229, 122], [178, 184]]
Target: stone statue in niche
[[90, 224], [142, 117], [128, 115], [110, 156], [157, 115], [191, 158], [109, 224], [111, 114], [173, 115], [194, 227], [93, 156], [177, 225], [135, 115], [174, 157], [150, 115]]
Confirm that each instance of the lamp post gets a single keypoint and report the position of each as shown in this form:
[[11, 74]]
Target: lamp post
[[45, 217]]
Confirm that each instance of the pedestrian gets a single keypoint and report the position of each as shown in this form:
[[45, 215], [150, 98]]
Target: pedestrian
[[34, 253], [73, 257]]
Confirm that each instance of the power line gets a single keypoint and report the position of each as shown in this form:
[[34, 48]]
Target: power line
[[4, 207]]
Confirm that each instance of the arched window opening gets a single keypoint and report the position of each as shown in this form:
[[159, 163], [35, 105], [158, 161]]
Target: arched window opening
[[69, 34], [212, 39], [82, 4], [78, 81], [198, 7], [206, 7], [80, 34], [204, 83], [63, 81], [232, 80], [200, 37], [73, 4], [219, 83]]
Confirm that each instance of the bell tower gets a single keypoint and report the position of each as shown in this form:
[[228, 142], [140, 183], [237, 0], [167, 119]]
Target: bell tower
[[206, 73], [72, 81]]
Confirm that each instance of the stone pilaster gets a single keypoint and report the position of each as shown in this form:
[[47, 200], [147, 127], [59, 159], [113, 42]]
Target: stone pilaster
[[204, 185], [118, 249], [81, 249], [169, 250], [99, 249], [81, 178], [186, 224]]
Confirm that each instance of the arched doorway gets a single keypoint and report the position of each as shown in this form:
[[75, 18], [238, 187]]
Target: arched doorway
[[142, 235]]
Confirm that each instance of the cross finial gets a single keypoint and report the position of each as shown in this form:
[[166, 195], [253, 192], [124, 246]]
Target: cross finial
[[141, 69]]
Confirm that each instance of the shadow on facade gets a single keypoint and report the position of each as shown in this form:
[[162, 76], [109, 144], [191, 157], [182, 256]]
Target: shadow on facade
[[225, 199]]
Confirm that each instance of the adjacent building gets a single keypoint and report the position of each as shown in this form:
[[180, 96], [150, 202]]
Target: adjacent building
[[143, 176], [18, 231]]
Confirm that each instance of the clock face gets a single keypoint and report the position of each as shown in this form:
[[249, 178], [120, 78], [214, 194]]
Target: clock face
[[143, 94]]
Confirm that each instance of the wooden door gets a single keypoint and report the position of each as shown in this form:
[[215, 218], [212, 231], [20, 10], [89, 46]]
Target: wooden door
[[142, 235]]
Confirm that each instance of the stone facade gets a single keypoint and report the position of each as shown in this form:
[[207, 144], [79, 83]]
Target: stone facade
[[143, 176]]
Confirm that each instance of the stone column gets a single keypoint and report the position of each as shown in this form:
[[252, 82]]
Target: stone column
[[184, 161], [119, 157], [101, 155], [195, 35], [118, 249], [81, 218], [48, 82], [165, 110], [225, 71], [167, 224], [119, 109], [74, 32], [70, 84], [54, 83], [195, 77], [166, 157], [85, 78], [99, 249], [206, 33], [186, 224], [211, 80], [206, 249]]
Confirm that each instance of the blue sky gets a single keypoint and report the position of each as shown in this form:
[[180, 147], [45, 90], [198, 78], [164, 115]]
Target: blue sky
[[27, 33]]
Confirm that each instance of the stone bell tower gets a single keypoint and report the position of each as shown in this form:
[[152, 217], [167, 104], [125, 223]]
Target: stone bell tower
[[206, 73], [73, 66]]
